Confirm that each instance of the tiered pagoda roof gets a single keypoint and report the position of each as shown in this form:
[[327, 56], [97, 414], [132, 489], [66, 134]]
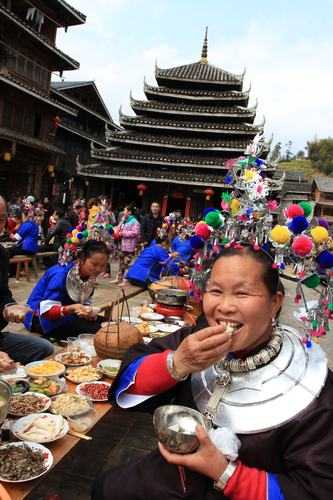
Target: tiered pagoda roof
[[194, 119]]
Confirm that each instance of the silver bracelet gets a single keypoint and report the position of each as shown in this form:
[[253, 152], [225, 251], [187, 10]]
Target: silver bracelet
[[221, 483], [171, 367]]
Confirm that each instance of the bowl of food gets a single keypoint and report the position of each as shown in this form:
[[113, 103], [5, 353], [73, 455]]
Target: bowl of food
[[45, 368], [110, 367], [21, 405], [19, 386], [23, 461], [175, 427], [40, 428], [70, 405], [96, 391], [73, 358], [83, 374]]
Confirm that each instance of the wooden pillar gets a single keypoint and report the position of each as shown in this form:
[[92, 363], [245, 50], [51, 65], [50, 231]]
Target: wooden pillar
[[187, 213], [164, 205]]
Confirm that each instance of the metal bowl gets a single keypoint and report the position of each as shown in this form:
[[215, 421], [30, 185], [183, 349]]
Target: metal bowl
[[175, 428]]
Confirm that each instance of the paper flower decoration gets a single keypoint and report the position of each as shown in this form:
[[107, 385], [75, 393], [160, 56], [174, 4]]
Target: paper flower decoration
[[250, 175], [307, 208], [234, 206], [325, 259], [298, 224], [214, 219], [202, 230], [196, 242]]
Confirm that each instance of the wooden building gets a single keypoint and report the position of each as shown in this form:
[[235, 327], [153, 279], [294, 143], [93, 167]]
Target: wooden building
[[296, 188], [29, 113], [176, 143], [76, 134], [322, 192]]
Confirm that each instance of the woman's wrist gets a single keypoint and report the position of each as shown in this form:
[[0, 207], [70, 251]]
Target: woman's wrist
[[180, 371]]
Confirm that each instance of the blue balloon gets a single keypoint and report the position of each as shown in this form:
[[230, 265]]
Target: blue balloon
[[298, 224]]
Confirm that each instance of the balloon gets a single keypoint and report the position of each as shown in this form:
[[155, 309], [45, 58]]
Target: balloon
[[202, 230], [319, 234], [214, 219], [302, 245], [280, 234], [307, 207], [298, 224], [294, 210]]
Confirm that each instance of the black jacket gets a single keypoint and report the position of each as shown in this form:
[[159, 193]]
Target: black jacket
[[59, 233], [149, 225], [5, 294]]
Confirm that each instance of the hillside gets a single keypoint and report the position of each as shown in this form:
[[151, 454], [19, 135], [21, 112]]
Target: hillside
[[299, 165]]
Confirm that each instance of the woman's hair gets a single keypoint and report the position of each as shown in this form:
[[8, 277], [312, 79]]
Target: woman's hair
[[131, 208], [91, 247], [162, 239], [270, 275], [93, 202]]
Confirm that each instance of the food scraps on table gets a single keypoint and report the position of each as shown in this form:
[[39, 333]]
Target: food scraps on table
[[70, 404], [19, 463]]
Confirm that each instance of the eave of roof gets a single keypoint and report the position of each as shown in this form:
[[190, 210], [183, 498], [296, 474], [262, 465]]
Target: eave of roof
[[82, 106], [208, 95], [84, 135], [13, 135], [36, 94], [71, 63], [198, 72], [79, 16]]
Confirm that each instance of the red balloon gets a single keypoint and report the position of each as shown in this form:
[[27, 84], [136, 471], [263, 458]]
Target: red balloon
[[294, 211], [202, 230], [302, 245]]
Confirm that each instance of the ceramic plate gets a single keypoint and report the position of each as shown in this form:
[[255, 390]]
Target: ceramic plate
[[61, 357], [152, 316], [43, 397], [48, 459], [80, 390], [58, 370], [110, 367], [168, 327], [22, 423]]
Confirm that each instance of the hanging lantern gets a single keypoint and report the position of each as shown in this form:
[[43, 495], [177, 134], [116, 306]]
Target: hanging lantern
[[209, 192], [142, 188], [7, 156], [56, 120]]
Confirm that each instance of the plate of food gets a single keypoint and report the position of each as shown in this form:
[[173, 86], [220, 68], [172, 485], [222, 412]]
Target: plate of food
[[73, 358], [21, 405], [146, 328], [15, 373], [40, 428], [151, 316], [96, 391], [110, 367], [83, 374], [48, 386], [70, 404], [45, 368], [24, 461]]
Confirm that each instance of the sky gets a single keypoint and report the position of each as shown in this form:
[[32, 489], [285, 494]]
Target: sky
[[285, 45]]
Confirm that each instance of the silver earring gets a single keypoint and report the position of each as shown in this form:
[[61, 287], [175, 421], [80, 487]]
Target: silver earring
[[274, 322]]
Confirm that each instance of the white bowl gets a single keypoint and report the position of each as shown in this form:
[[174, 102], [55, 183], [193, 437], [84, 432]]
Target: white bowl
[[23, 422]]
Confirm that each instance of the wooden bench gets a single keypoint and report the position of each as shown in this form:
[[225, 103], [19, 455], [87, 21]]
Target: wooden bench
[[42, 255], [21, 260]]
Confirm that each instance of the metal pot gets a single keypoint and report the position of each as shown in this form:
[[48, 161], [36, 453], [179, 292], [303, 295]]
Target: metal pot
[[171, 297]]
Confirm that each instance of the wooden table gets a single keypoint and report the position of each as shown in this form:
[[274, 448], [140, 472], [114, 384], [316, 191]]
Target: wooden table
[[58, 448]]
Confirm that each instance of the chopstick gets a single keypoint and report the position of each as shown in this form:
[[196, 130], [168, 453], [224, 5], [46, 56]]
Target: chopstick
[[80, 435]]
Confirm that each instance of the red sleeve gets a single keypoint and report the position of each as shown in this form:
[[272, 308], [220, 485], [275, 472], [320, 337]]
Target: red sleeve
[[152, 376], [55, 312], [247, 483]]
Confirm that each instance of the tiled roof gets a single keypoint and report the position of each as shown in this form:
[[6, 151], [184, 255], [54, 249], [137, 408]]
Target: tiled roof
[[164, 123], [197, 94], [324, 184], [199, 72], [178, 142], [37, 93], [175, 108], [82, 133], [71, 63], [153, 174], [69, 8], [71, 84], [12, 135], [176, 159], [296, 187]]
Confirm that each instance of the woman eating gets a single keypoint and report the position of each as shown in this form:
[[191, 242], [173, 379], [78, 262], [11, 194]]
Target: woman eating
[[277, 397], [61, 299]]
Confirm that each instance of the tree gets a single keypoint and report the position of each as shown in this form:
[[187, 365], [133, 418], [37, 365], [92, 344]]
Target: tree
[[320, 152], [288, 153], [300, 155]]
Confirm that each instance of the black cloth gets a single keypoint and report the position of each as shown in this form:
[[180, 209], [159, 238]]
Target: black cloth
[[5, 294], [59, 233], [149, 225], [76, 328], [299, 453]]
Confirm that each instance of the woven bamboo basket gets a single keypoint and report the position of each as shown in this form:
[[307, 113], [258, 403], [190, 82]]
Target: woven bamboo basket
[[114, 339]]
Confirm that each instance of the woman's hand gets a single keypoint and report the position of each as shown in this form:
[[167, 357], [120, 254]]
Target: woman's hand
[[6, 363], [15, 312], [207, 460], [201, 350], [80, 310]]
